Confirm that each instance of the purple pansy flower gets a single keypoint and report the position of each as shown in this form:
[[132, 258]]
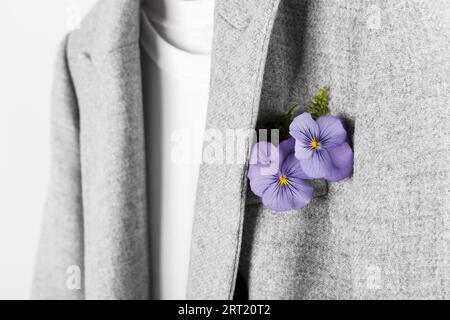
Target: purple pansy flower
[[321, 147], [276, 176]]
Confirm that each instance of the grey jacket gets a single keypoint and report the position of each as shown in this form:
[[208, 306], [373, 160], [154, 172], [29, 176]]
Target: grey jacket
[[383, 233]]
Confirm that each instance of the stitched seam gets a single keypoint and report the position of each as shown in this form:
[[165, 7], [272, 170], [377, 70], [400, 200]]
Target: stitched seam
[[235, 25]]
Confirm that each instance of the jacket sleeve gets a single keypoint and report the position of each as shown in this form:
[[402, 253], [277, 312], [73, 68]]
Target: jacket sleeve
[[59, 266]]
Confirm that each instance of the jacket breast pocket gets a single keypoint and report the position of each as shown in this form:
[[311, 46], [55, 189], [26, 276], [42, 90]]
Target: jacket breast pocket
[[283, 252]]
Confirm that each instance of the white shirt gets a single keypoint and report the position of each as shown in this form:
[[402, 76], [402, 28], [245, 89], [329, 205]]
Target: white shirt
[[176, 37]]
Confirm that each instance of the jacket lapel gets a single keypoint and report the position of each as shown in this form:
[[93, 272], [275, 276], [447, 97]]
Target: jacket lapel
[[241, 41], [113, 155]]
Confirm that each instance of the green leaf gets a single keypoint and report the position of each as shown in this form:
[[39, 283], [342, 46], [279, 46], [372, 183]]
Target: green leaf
[[318, 106]]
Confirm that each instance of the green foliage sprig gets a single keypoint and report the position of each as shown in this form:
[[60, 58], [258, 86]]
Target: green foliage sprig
[[318, 106]]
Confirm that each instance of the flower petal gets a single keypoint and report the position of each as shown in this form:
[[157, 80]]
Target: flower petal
[[303, 128], [276, 198], [318, 166], [260, 182], [291, 168], [332, 132], [264, 155], [287, 147], [294, 195], [342, 159], [302, 151], [302, 192]]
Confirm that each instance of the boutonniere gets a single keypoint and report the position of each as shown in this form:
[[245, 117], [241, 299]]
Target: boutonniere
[[314, 145]]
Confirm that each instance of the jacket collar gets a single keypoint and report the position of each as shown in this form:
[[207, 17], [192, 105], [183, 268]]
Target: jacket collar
[[110, 26], [116, 24]]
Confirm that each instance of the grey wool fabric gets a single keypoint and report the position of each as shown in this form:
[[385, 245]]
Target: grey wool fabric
[[383, 233], [96, 213]]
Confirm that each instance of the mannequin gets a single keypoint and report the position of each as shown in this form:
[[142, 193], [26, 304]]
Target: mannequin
[[176, 40]]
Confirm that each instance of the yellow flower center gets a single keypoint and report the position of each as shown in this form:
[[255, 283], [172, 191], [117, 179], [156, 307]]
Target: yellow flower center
[[315, 144], [283, 180]]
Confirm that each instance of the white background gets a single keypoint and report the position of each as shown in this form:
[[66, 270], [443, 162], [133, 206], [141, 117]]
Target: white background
[[30, 32]]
